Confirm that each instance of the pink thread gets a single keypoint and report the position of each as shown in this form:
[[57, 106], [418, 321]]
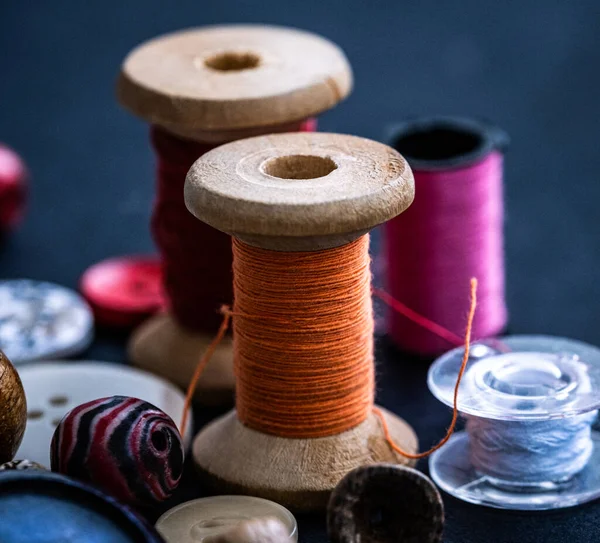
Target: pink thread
[[452, 232]]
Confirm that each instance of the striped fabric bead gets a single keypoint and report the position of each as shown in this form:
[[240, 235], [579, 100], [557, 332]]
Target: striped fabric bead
[[125, 446]]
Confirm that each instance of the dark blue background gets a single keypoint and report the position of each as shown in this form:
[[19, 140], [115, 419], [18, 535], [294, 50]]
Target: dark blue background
[[531, 67]]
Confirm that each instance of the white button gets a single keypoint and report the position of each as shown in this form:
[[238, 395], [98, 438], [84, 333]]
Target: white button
[[40, 320], [52, 389], [198, 520]]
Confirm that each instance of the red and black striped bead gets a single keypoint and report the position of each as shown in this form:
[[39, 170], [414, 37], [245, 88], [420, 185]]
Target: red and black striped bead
[[125, 446]]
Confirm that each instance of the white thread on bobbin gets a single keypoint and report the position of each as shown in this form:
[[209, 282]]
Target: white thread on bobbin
[[529, 403]]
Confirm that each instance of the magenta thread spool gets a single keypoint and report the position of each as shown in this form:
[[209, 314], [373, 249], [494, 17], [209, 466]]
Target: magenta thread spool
[[453, 231]]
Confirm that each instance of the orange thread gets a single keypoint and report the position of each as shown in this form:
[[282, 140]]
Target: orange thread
[[465, 359], [304, 367], [202, 364]]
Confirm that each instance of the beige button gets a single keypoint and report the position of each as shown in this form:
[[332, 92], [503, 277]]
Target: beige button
[[199, 520]]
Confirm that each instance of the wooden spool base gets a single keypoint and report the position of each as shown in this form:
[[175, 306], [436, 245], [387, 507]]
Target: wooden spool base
[[164, 348], [298, 473]]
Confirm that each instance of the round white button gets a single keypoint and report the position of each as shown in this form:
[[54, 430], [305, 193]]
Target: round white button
[[199, 520]]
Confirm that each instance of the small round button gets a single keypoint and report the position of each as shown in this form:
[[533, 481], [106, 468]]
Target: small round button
[[124, 291], [385, 503], [40, 320], [201, 520]]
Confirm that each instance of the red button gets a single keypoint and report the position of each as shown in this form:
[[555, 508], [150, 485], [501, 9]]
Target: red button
[[124, 291], [13, 188]]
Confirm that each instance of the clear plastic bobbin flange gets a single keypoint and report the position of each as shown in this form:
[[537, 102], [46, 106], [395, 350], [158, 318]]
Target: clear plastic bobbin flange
[[516, 384]]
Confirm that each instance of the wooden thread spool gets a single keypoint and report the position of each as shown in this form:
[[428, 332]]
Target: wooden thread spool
[[214, 85], [288, 193]]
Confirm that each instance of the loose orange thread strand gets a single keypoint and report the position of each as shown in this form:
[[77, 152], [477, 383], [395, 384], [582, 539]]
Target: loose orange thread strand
[[202, 364], [465, 359]]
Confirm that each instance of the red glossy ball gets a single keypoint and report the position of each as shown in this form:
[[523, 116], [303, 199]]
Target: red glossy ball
[[13, 188]]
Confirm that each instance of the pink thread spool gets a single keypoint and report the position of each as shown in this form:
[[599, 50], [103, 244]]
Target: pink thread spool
[[452, 232]]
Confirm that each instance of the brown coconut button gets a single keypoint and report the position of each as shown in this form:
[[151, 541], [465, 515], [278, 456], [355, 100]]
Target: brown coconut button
[[233, 77], [385, 503], [13, 410]]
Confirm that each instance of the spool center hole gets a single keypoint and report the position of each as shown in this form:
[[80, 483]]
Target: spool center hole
[[527, 378], [437, 143], [299, 167], [232, 61]]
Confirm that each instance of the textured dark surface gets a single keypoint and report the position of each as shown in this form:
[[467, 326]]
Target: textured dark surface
[[385, 503], [530, 66]]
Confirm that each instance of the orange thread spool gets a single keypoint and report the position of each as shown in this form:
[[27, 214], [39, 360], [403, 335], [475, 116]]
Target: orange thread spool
[[299, 207], [318, 305]]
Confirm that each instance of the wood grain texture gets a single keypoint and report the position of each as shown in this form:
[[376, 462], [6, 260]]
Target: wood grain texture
[[297, 473], [299, 192], [13, 410], [233, 77]]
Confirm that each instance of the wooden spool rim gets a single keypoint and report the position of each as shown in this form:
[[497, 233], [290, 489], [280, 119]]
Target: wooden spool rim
[[297, 473], [299, 191], [273, 76]]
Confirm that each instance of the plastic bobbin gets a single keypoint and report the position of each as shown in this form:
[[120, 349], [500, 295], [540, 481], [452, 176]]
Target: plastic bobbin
[[323, 191], [217, 84], [211, 519], [522, 380]]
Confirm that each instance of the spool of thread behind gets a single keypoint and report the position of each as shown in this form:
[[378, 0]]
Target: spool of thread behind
[[212, 85], [452, 232], [197, 278]]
